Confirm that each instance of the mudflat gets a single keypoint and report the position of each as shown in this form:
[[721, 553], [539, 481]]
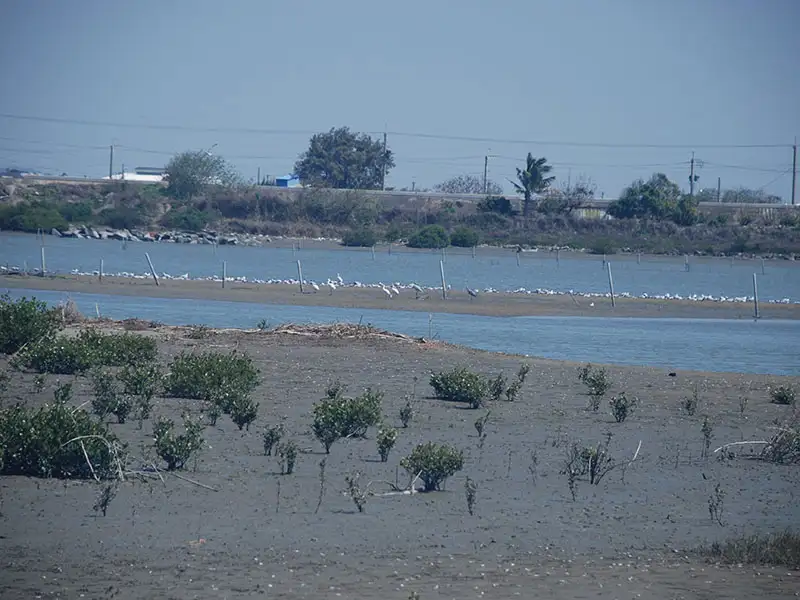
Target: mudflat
[[240, 529], [457, 302]]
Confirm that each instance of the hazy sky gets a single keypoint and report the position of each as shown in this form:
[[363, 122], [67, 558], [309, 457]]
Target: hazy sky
[[524, 75]]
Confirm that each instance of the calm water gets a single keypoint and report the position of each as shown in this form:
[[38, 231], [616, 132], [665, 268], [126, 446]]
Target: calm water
[[709, 345], [654, 276]]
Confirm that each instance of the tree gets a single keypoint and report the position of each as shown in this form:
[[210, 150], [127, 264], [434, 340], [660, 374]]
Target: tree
[[188, 173], [749, 196], [532, 180], [430, 236], [345, 160], [655, 198], [468, 184], [496, 204], [568, 197]]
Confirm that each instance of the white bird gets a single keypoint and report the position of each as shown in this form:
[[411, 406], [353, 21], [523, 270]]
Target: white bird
[[395, 291], [315, 286], [415, 287], [339, 277], [332, 286], [386, 291], [472, 293]]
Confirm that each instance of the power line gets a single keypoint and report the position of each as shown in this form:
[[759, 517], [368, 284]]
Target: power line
[[260, 131]]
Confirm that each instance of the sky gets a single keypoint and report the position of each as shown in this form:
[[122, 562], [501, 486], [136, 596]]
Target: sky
[[613, 90]]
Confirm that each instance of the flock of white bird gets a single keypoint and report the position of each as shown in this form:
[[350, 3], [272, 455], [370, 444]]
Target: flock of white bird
[[392, 290]]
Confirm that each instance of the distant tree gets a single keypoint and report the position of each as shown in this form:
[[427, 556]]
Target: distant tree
[[345, 160], [496, 204], [430, 236], [750, 196], [532, 180], [656, 198], [188, 173], [568, 197], [468, 184], [464, 237]]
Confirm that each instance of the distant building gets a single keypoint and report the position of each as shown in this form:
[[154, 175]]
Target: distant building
[[287, 181], [144, 174]]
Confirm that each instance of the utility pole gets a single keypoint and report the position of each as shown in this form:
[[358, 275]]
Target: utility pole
[[485, 173], [691, 176], [258, 178], [794, 170], [383, 162], [719, 189], [111, 163]]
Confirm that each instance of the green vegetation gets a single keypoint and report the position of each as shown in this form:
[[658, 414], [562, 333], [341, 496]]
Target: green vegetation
[[50, 442], [430, 236], [783, 394], [365, 238], [464, 237], [210, 375], [598, 383], [67, 355], [778, 549], [533, 179], [177, 448], [462, 385], [337, 417], [433, 463], [25, 321]]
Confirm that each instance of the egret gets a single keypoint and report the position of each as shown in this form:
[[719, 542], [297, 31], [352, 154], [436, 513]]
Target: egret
[[315, 286], [386, 291], [472, 293], [332, 286], [395, 291], [339, 277]]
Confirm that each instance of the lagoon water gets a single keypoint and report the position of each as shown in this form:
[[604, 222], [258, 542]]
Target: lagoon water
[[744, 346], [495, 269]]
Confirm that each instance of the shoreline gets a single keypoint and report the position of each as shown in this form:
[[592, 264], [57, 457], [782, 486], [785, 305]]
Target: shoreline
[[458, 302]]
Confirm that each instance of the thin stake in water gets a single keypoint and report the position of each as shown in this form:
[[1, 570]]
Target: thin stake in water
[[444, 283], [755, 296], [224, 272], [152, 268], [300, 276], [611, 285]]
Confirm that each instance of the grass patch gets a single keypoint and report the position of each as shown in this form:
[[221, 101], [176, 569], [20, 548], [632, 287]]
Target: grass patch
[[778, 549]]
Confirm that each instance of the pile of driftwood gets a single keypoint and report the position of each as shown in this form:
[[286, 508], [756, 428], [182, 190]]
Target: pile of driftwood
[[337, 330]]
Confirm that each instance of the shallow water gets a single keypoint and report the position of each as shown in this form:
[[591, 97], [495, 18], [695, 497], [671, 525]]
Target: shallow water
[[746, 346], [498, 270]]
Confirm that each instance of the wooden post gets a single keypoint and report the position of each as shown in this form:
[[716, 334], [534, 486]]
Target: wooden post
[[224, 272], [101, 270], [44, 266], [473, 252], [300, 276], [604, 260], [390, 248], [373, 251], [611, 285], [686, 262], [755, 296], [152, 269], [444, 283], [763, 268], [638, 258], [444, 255], [517, 258], [558, 256], [294, 249]]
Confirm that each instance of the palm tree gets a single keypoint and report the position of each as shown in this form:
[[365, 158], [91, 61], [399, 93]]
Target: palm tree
[[532, 180]]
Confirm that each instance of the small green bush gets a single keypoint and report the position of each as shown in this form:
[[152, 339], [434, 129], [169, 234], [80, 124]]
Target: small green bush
[[783, 394], [175, 449], [622, 406], [67, 355], [430, 236], [243, 410], [287, 454], [387, 437], [37, 443], [598, 383], [25, 321], [186, 219], [272, 436], [365, 238], [434, 463], [339, 417], [464, 237], [210, 375], [142, 381], [108, 396], [461, 385], [779, 549]]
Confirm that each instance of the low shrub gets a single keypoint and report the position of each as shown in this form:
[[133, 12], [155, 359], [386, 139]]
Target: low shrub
[[387, 437], [783, 394], [142, 381], [431, 236], [243, 410], [464, 237], [272, 436], [210, 375], [778, 549], [287, 454], [339, 417], [24, 322], [433, 463], [598, 383], [39, 443], [67, 355], [108, 396], [174, 448], [461, 385], [365, 238], [622, 406]]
